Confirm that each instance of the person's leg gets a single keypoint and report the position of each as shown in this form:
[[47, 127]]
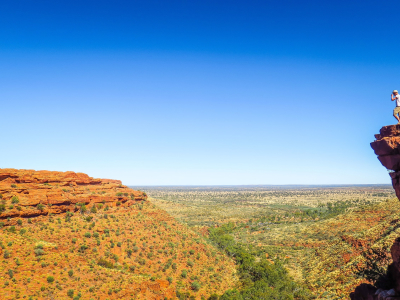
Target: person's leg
[[396, 111]]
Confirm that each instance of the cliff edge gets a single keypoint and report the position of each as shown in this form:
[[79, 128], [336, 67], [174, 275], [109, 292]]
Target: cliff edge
[[387, 147]]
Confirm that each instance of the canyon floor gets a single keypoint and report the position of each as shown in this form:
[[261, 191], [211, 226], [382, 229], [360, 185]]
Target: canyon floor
[[330, 238]]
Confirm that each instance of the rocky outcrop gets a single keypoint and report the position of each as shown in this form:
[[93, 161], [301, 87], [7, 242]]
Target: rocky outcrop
[[387, 147], [391, 280], [29, 193]]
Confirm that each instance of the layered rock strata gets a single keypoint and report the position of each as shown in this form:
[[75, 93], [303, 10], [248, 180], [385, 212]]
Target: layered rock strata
[[29, 193], [387, 147]]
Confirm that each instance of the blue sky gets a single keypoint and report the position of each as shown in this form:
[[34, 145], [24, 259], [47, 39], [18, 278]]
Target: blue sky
[[198, 92]]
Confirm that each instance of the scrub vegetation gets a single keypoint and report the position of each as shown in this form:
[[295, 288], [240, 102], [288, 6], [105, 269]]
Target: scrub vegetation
[[322, 241], [110, 253]]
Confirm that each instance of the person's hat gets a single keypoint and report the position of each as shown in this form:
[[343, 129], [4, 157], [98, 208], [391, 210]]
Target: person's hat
[[395, 91]]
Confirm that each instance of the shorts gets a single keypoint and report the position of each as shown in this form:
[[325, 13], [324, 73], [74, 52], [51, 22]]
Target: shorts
[[396, 110]]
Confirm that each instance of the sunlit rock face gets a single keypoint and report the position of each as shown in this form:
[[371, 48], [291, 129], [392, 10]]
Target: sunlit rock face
[[387, 147], [29, 193]]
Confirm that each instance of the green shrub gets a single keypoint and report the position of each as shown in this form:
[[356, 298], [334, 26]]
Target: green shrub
[[105, 263], [129, 252], [14, 200], [184, 274], [70, 293], [190, 263], [70, 274], [83, 248], [40, 207], [38, 252], [83, 209], [50, 279], [195, 286]]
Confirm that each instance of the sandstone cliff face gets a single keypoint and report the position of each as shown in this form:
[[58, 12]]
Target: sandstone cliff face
[[387, 147], [29, 193]]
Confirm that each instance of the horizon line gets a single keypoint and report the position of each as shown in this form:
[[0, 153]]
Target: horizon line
[[205, 185]]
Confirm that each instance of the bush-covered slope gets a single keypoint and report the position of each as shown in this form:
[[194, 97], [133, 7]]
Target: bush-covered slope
[[137, 251], [65, 235]]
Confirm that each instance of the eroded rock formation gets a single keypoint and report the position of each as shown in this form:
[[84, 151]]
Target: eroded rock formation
[[29, 193], [387, 147]]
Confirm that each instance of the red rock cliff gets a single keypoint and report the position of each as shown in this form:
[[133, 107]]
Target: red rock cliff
[[29, 193], [387, 147]]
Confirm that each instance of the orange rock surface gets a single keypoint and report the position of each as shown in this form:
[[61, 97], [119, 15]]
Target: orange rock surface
[[29, 193]]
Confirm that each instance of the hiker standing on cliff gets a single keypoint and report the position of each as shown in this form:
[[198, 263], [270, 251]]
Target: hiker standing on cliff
[[395, 96]]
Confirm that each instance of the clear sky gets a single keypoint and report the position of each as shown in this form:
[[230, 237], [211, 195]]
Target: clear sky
[[198, 92]]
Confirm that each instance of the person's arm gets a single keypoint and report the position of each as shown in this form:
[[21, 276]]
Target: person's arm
[[391, 96]]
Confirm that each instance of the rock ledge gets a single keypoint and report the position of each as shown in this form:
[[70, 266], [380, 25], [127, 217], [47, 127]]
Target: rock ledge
[[29, 193]]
